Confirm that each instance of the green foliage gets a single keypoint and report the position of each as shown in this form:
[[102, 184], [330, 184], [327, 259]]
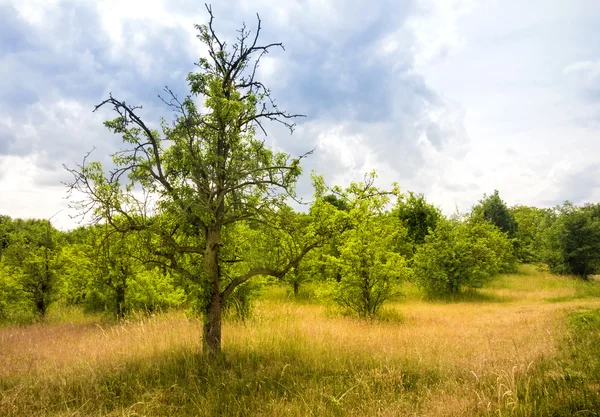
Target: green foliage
[[6, 225], [337, 202], [418, 216], [571, 244], [461, 255], [11, 297], [35, 261], [152, 290], [114, 265], [370, 270], [369, 267], [78, 274], [493, 210], [531, 223]]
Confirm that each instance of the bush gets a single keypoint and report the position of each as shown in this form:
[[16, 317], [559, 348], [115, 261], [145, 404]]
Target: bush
[[531, 222], [151, 290], [370, 270], [572, 242], [461, 254]]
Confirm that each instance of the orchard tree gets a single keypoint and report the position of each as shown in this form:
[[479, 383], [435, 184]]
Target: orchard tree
[[114, 264], [418, 216], [370, 268], [191, 182], [493, 210], [35, 260]]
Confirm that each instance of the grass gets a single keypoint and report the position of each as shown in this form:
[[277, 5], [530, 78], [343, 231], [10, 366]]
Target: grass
[[504, 350], [531, 283]]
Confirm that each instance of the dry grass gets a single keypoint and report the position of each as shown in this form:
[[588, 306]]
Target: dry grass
[[433, 359]]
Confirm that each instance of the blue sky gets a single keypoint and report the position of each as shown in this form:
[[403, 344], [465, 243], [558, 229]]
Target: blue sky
[[451, 98]]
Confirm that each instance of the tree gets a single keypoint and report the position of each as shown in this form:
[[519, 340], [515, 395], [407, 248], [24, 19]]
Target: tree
[[492, 209], [571, 244], [369, 267], [78, 273], [34, 257], [207, 171], [5, 229], [461, 254], [114, 264], [530, 223], [418, 216]]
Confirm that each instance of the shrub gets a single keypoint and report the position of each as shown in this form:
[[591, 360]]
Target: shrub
[[572, 241], [461, 254]]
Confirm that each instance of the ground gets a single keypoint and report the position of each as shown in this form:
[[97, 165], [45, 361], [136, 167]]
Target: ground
[[528, 344]]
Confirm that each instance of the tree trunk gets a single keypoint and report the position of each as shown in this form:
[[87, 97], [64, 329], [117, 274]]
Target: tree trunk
[[41, 306], [296, 289], [211, 340], [120, 301]]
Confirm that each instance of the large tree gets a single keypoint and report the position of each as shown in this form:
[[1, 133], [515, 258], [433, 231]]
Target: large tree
[[205, 172]]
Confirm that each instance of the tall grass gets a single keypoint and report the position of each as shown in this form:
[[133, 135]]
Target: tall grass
[[510, 352]]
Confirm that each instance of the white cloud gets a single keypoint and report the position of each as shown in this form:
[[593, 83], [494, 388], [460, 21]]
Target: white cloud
[[589, 67], [22, 197], [436, 29]]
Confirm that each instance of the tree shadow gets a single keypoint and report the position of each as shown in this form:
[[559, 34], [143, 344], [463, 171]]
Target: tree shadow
[[244, 381], [470, 296]]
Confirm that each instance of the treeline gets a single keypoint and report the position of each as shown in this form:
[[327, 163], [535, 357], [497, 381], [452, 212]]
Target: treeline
[[358, 244]]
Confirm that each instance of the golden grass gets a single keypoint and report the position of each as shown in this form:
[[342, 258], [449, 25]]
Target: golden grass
[[438, 359]]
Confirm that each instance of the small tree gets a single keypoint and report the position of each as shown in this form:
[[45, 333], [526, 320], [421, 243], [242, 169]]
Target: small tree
[[114, 264], [461, 254], [34, 256], [418, 216], [493, 210], [370, 268]]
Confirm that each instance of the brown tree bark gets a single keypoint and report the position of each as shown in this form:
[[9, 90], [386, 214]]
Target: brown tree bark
[[211, 337]]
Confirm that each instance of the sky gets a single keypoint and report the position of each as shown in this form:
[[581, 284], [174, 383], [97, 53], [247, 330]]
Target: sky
[[449, 98]]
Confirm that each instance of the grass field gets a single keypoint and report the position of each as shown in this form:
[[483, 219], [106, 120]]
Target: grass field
[[527, 345]]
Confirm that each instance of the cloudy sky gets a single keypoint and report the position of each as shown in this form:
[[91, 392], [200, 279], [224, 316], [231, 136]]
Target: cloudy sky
[[451, 98]]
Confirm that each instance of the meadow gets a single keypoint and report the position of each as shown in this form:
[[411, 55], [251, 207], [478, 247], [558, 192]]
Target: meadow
[[526, 345]]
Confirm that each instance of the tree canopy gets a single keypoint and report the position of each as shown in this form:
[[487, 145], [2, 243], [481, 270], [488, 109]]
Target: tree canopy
[[492, 209]]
